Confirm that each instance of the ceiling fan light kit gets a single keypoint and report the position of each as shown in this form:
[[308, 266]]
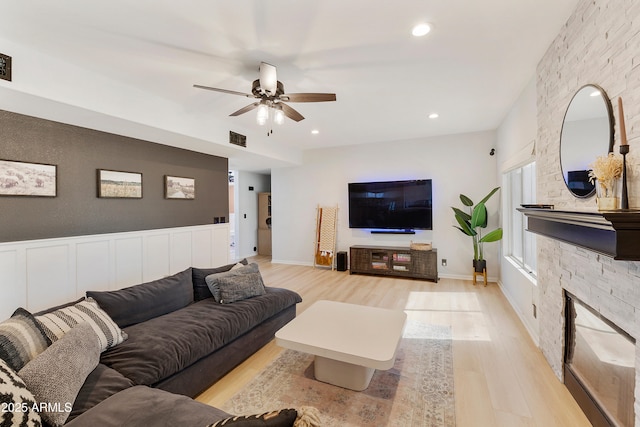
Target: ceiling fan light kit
[[278, 115], [271, 95], [263, 114]]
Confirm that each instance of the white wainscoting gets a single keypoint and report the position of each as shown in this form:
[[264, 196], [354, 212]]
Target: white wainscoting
[[38, 274]]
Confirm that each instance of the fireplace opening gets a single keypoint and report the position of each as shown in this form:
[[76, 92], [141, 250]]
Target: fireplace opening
[[599, 368]]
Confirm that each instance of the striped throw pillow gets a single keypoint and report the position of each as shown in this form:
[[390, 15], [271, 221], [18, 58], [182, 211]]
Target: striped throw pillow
[[21, 339], [59, 322]]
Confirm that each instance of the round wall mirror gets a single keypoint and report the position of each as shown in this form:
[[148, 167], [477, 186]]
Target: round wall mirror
[[587, 132]]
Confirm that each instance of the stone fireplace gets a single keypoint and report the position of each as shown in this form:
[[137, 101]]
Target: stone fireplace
[[611, 290], [588, 305], [599, 44]]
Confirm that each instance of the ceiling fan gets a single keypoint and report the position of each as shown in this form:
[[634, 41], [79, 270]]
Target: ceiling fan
[[271, 95]]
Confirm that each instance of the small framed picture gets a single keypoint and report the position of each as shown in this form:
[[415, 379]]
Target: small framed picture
[[177, 187], [27, 179], [119, 185]]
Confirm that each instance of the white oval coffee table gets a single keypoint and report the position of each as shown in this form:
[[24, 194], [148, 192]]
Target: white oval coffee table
[[349, 341]]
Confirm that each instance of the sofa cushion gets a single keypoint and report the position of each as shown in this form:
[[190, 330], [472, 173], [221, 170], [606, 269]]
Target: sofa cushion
[[21, 339], [102, 382], [59, 322], [18, 399], [142, 302], [213, 280], [56, 375], [161, 347], [144, 406], [237, 288], [58, 307], [200, 289]]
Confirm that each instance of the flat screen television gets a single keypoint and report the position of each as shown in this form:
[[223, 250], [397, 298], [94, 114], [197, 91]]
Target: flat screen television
[[391, 205]]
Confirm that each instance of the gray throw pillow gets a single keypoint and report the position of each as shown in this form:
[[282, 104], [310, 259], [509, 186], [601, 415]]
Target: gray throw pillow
[[237, 288], [21, 339], [200, 288], [213, 280], [56, 375]]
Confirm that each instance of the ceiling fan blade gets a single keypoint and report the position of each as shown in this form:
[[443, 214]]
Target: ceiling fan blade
[[308, 97], [290, 112], [232, 92], [245, 109], [268, 78]]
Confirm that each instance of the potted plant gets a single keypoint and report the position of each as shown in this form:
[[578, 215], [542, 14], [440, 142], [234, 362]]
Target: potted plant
[[472, 224]]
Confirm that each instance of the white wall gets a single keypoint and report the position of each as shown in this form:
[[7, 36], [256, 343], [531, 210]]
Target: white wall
[[37, 274], [247, 210], [456, 164], [516, 137]]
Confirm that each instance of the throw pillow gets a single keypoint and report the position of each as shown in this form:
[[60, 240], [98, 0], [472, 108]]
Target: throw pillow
[[18, 403], [139, 303], [200, 289], [56, 375], [282, 418], [237, 288], [213, 279], [237, 266], [21, 339], [59, 322]]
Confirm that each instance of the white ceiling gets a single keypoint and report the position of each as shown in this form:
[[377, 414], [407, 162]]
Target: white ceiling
[[470, 69]]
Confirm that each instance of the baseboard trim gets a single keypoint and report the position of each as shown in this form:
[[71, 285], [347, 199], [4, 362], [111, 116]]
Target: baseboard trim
[[464, 277], [289, 262]]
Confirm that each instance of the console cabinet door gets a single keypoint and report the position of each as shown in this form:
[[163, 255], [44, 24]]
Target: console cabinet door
[[425, 263], [360, 259]]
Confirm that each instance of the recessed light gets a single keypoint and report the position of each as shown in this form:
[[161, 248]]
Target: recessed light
[[434, 115], [421, 29], [315, 131]]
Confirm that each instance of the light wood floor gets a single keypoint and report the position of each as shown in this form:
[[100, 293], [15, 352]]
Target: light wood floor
[[501, 377]]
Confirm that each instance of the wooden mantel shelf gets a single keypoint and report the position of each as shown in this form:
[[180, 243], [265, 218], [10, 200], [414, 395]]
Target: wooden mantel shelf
[[612, 233]]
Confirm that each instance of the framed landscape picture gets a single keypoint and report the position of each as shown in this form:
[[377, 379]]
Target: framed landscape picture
[[27, 179], [176, 187], [119, 185]]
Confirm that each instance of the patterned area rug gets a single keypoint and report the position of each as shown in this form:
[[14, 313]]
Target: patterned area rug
[[416, 392]]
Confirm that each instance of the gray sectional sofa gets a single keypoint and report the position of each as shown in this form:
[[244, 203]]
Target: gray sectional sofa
[[179, 341]]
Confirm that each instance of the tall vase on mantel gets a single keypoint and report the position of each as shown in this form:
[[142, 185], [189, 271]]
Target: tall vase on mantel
[[606, 171], [607, 194]]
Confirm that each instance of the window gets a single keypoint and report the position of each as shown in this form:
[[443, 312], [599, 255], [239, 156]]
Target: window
[[521, 245]]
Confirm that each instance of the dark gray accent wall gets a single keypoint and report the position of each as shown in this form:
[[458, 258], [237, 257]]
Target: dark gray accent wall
[[78, 153]]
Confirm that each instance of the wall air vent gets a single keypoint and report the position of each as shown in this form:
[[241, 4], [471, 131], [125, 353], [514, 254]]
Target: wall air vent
[[237, 139], [5, 67]]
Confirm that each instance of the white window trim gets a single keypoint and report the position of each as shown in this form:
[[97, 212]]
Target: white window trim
[[524, 157]]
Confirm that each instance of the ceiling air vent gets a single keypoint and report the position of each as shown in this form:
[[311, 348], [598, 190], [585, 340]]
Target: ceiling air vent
[[5, 67], [237, 139]]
